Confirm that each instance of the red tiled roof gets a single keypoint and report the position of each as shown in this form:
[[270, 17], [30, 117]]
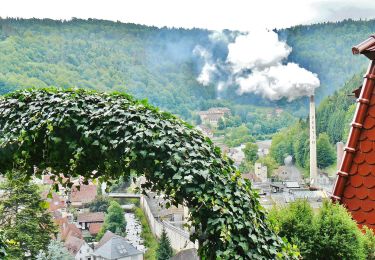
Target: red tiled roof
[[73, 244], [355, 184], [67, 229], [91, 217], [94, 228], [56, 202], [86, 194]]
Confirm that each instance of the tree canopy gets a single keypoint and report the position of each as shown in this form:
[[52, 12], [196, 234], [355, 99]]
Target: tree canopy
[[114, 220], [329, 234], [24, 218], [164, 251], [105, 136]]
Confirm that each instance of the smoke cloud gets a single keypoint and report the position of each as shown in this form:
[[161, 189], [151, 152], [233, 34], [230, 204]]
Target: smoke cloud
[[254, 63]]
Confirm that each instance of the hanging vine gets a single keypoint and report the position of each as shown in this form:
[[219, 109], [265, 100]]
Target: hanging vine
[[105, 136]]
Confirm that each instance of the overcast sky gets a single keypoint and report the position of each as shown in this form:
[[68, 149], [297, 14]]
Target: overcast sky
[[212, 14]]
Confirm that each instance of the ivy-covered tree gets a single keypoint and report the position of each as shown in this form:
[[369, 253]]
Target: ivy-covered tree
[[114, 220], [55, 251], [325, 151], [24, 218], [164, 251], [106, 136]]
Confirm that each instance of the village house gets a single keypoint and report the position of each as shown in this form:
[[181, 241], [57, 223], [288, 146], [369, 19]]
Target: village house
[[67, 229], [91, 221], [212, 115], [82, 196], [114, 247], [78, 248]]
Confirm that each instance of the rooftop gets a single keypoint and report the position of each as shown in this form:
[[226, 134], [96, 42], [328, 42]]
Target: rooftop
[[91, 217], [115, 248], [86, 194], [73, 244]]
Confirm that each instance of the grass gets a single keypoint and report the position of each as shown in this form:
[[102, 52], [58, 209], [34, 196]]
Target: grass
[[150, 240]]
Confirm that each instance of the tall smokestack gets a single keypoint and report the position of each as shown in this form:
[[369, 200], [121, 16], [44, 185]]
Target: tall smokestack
[[340, 153], [313, 164]]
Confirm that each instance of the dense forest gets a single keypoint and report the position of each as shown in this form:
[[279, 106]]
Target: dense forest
[[159, 64]]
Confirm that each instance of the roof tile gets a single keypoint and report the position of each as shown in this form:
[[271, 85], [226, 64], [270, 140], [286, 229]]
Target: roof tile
[[359, 216], [369, 182], [371, 111], [370, 134], [359, 157], [368, 206], [370, 158], [355, 204], [369, 123], [364, 169], [349, 192], [362, 193], [365, 146], [356, 181]]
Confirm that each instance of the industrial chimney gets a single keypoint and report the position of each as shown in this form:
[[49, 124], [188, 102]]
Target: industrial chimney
[[313, 164]]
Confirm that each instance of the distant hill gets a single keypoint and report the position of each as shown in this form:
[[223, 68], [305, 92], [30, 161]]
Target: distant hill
[[157, 63], [326, 50]]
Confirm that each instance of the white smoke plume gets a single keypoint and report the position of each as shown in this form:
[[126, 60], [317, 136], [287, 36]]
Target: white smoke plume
[[209, 68], [255, 64]]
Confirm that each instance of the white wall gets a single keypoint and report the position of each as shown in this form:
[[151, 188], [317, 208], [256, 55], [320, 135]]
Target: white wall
[[84, 252], [179, 238]]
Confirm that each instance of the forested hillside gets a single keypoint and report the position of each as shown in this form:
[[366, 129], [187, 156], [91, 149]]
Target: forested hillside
[[145, 61], [158, 63], [325, 49]]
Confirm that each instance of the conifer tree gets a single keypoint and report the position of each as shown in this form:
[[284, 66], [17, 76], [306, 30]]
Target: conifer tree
[[24, 218], [164, 251]]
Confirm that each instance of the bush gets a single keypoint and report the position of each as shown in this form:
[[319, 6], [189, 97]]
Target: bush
[[329, 234]]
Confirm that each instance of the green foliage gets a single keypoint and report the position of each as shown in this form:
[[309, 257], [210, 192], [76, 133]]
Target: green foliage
[[295, 222], [24, 218], [149, 239], [251, 152], [329, 234], [337, 235], [221, 124], [148, 62], [121, 185], [164, 251], [3, 245], [114, 220], [237, 136], [369, 243], [325, 151], [100, 204], [105, 136], [55, 251], [333, 114], [292, 141]]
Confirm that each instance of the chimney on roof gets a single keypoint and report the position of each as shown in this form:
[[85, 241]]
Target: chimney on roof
[[313, 163]]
